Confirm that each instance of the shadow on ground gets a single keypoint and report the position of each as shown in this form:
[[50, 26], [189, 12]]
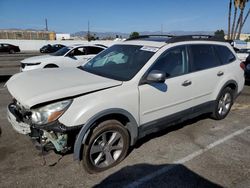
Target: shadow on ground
[[169, 129], [146, 175]]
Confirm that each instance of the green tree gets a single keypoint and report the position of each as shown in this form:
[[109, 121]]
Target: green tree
[[248, 39], [219, 34], [134, 35], [91, 37]]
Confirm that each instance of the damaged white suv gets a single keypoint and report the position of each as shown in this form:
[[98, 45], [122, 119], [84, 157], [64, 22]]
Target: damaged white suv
[[129, 90]]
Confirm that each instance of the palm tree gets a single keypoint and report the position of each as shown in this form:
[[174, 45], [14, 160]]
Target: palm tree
[[245, 19], [241, 23], [229, 20], [236, 6]]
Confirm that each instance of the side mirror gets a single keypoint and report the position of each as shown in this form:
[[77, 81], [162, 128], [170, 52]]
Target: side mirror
[[156, 76]]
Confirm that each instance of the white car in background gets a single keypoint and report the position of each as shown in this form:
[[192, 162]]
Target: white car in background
[[69, 56], [243, 54]]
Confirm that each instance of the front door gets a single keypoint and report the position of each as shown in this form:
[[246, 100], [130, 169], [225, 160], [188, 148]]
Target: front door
[[159, 100]]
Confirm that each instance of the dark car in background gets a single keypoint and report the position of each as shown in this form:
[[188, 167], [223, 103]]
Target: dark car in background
[[51, 48], [247, 69], [9, 48]]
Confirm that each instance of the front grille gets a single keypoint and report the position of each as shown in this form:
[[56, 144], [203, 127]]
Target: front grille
[[22, 65]]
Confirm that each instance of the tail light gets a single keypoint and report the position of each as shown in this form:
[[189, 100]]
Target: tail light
[[243, 66]]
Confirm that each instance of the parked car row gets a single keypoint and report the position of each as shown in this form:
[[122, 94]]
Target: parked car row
[[71, 56], [129, 90], [8, 48], [51, 48], [243, 54]]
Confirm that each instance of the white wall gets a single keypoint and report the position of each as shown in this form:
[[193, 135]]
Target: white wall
[[60, 36], [35, 45]]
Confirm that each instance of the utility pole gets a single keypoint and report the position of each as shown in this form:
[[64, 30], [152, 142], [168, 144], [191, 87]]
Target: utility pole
[[46, 24], [88, 32]]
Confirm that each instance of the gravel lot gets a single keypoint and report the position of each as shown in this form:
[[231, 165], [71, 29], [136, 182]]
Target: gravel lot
[[197, 153]]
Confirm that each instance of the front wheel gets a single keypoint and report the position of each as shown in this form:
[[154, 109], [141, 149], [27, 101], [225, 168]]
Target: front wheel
[[108, 145], [223, 104]]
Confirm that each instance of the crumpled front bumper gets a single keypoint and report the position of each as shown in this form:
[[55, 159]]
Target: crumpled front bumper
[[17, 125]]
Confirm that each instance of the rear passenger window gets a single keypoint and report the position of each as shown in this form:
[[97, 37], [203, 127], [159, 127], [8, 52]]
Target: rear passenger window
[[203, 57], [225, 55], [94, 50]]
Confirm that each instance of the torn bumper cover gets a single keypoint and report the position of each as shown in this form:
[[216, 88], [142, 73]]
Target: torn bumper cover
[[14, 117], [52, 136]]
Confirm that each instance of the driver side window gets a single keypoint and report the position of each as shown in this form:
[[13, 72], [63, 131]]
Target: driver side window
[[173, 62], [79, 51]]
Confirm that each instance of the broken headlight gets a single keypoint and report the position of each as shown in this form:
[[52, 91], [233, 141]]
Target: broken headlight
[[49, 113]]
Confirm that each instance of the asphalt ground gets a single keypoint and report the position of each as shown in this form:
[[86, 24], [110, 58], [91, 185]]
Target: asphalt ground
[[10, 63], [198, 153]]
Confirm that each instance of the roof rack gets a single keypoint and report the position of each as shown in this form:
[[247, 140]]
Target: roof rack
[[180, 38], [158, 38], [195, 38]]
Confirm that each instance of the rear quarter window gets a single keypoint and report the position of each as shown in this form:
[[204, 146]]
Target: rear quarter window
[[225, 54]]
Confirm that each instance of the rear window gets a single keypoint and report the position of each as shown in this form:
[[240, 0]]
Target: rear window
[[225, 55]]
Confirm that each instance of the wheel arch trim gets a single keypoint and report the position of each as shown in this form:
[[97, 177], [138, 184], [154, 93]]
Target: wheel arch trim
[[132, 127], [227, 84]]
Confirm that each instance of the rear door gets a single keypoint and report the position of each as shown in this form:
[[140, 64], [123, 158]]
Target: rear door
[[206, 71]]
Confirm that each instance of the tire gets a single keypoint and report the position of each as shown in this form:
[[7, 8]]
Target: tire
[[50, 66], [12, 51], [223, 104], [107, 146]]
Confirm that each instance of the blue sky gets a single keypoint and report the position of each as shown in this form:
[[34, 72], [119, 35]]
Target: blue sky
[[116, 15]]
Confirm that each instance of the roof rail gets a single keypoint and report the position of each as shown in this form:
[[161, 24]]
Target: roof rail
[[195, 38], [173, 38], [152, 37]]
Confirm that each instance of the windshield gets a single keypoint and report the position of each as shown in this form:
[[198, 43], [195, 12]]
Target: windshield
[[119, 62], [62, 51]]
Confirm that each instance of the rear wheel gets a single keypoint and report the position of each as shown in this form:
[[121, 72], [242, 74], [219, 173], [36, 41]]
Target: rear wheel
[[108, 145], [223, 104]]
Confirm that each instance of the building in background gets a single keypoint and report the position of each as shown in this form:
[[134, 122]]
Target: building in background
[[63, 36], [27, 35], [243, 36]]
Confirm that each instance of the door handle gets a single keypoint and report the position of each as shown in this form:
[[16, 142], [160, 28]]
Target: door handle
[[220, 73], [186, 83]]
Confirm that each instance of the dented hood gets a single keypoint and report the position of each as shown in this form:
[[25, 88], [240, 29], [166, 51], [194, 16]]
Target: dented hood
[[43, 85]]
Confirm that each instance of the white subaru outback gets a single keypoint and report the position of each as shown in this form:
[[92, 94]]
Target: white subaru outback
[[129, 90]]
